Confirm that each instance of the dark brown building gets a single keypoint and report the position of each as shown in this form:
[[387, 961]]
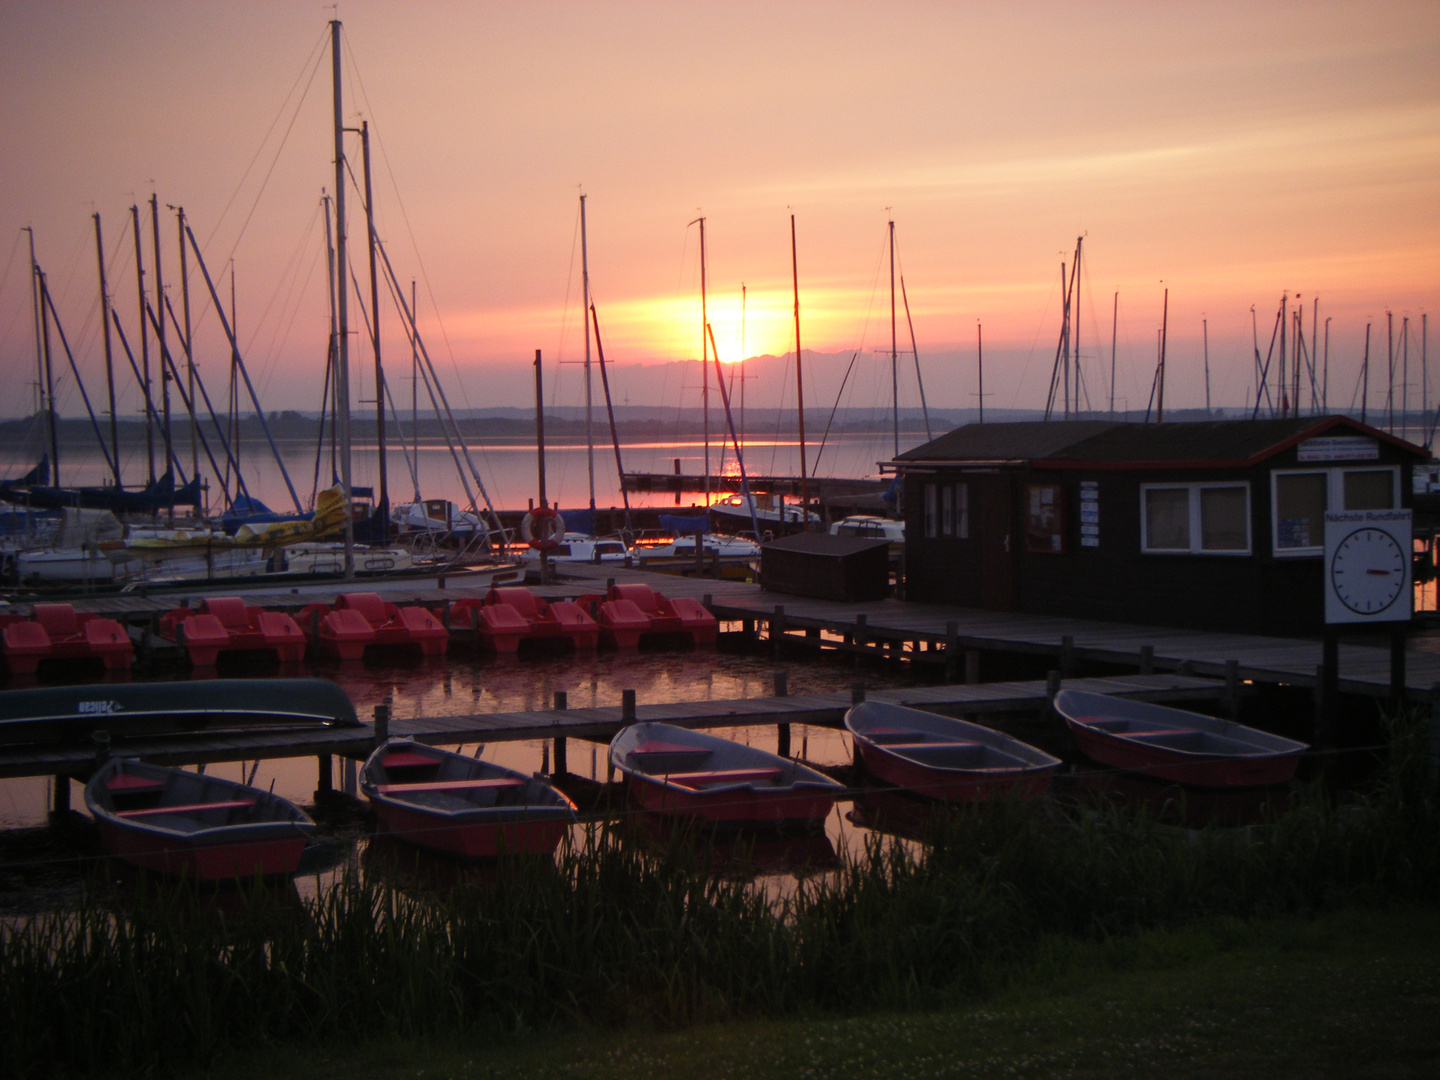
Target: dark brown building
[[1213, 525]]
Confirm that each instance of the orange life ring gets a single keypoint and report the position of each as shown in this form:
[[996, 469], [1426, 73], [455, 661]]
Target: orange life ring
[[542, 528]]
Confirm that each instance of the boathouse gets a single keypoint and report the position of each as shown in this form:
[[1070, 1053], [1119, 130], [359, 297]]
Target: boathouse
[[1213, 525]]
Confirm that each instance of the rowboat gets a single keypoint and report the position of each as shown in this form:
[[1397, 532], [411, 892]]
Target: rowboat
[[192, 825], [675, 771], [462, 806], [943, 758], [1173, 744]]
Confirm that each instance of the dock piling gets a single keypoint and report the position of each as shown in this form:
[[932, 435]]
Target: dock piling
[[382, 724], [325, 782], [782, 689], [627, 706], [562, 702]]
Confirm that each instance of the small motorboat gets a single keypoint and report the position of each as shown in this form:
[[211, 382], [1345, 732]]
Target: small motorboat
[[185, 823], [581, 547], [943, 758], [1172, 744], [676, 771], [460, 805]]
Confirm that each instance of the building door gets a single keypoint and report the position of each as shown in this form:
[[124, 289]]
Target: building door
[[999, 543]]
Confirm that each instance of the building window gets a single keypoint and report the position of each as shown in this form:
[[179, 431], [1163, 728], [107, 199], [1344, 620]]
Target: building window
[[1044, 519], [962, 511], [947, 511], [1300, 499], [1211, 519], [932, 512]]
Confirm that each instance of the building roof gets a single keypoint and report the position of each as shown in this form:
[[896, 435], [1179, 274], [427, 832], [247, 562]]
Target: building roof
[[1071, 444]]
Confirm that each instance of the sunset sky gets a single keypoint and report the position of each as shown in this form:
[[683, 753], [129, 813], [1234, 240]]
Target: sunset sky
[[1227, 151]]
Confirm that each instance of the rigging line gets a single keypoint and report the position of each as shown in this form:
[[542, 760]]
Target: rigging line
[[610, 409], [285, 279], [150, 409], [915, 351], [14, 250], [313, 62], [49, 302], [284, 337], [414, 243], [188, 401], [815, 465], [1039, 327], [735, 438]]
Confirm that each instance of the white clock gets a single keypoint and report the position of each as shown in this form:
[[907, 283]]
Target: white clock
[[1368, 571]]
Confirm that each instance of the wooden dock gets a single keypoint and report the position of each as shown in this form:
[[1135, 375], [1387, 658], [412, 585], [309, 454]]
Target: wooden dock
[[594, 724]]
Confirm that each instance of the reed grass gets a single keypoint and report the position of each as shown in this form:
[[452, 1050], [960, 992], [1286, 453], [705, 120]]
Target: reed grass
[[615, 932]]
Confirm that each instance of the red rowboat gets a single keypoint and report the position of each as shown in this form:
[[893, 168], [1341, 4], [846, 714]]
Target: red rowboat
[[672, 770], [1185, 747], [187, 824], [943, 758], [462, 806]]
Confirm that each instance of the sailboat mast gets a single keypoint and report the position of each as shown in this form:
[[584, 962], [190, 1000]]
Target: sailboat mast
[[383, 502], [342, 348], [144, 348], [1114, 324], [189, 355], [704, 363], [51, 415], [109, 356], [234, 384], [1079, 241], [800, 384], [589, 416], [742, 363], [1365, 375], [894, 350], [35, 306], [980, 364], [1164, 326], [1205, 330], [415, 389], [160, 336]]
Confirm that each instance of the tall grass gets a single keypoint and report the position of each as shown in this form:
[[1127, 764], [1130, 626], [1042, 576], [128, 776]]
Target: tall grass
[[615, 932]]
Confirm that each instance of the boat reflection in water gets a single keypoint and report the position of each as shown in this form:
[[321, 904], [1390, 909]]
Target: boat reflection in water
[[754, 851]]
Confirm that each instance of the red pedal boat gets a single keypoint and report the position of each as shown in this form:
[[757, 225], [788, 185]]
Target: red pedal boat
[[1172, 744], [362, 619], [943, 758], [462, 806], [58, 631], [228, 624], [511, 614], [676, 771], [183, 823], [632, 610]]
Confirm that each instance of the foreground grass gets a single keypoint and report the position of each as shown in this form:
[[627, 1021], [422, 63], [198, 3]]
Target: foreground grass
[[1349, 994]]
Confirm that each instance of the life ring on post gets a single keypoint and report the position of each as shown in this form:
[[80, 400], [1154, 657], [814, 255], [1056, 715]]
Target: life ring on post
[[542, 529]]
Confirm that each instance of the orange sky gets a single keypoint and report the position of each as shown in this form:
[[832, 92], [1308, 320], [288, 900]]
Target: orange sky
[[1230, 151]]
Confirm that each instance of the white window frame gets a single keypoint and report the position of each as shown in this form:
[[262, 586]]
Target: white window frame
[[1196, 535], [1334, 497]]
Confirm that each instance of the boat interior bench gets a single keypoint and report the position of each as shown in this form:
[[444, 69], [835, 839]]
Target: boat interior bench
[[405, 759], [724, 776], [188, 808], [450, 785]]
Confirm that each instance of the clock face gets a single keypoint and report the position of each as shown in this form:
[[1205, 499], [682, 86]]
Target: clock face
[[1368, 571]]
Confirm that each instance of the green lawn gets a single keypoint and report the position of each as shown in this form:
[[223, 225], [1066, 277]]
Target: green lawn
[[1354, 994]]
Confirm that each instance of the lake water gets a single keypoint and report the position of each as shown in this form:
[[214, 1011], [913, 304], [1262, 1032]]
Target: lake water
[[509, 469]]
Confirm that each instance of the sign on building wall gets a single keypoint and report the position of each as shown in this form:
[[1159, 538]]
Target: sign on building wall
[[1089, 513], [1338, 448], [1368, 566]]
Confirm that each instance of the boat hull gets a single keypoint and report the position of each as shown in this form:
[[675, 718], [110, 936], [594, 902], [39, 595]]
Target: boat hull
[[1175, 745], [941, 758], [218, 858], [460, 806], [681, 773], [534, 833]]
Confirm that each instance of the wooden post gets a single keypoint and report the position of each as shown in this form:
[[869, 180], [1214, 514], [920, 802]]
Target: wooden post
[[1232, 689], [1147, 659], [777, 628], [782, 684], [782, 689], [62, 795], [1327, 719], [325, 783], [1435, 736], [1067, 655], [627, 706], [382, 724], [1397, 666], [562, 702], [1052, 687]]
